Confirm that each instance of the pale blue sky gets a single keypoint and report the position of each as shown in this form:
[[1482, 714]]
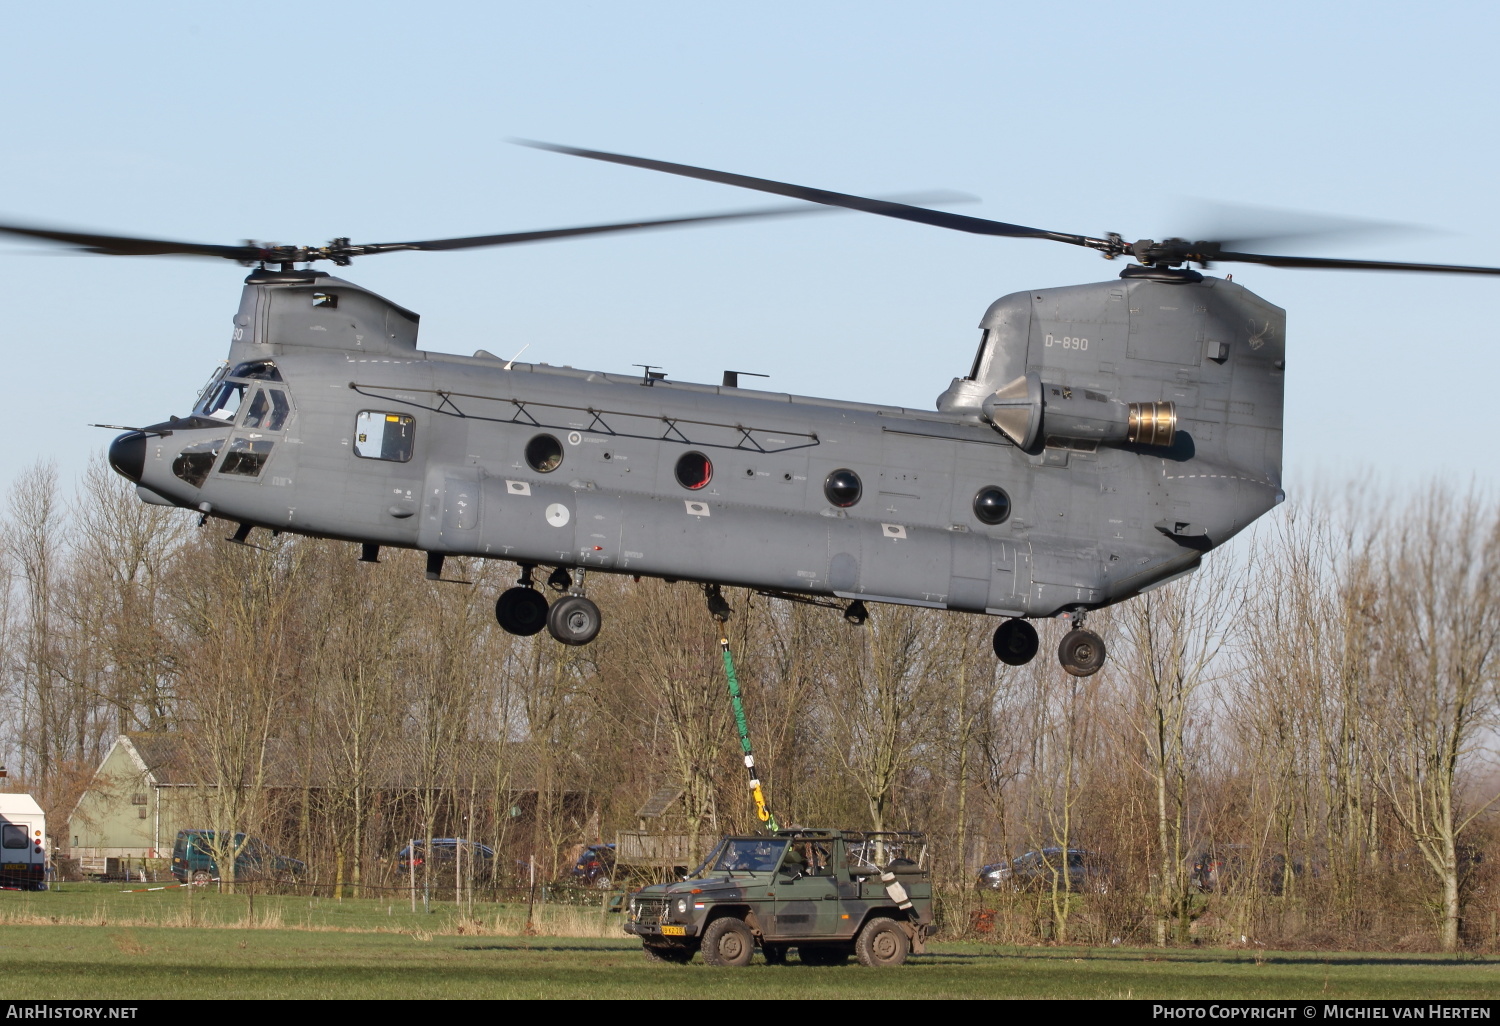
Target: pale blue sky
[[386, 121]]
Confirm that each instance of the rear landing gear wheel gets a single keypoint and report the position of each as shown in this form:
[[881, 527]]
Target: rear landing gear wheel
[[573, 620], [521, 611], [1081, 652], [1016, 642]]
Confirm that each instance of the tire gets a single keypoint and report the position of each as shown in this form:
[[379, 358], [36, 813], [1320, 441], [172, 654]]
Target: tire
[[672, 953], [1081, 653], [823, 954], [774, 954], [728, 942], [201, 876], [521, 611], [573, 620], [882, 943], [1016, 642]]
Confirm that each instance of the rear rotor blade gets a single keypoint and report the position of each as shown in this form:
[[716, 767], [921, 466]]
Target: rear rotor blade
[[885, 208], [511, 238], [1335, 263]]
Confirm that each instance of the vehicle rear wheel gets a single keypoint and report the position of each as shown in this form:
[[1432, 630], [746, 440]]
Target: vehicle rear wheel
[[728, 942], [521, 611], [882, 943], [774, 954], [202, 876], [573, 620], [823, 954], [673, 953]]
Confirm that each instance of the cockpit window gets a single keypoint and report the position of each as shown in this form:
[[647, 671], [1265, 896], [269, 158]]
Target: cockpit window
[[255, 416], [260, 370], [222, 401], [246, 457], [194, 462], [280, 409]]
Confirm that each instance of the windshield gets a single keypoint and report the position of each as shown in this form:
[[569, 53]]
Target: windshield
[[749, 854], [221, 400]]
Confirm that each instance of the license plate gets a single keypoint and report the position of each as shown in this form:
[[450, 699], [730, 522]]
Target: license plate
[[15, 867], [674, 931]]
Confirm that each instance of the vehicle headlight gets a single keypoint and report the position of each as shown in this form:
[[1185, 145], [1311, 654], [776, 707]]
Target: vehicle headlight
[[682, 905]]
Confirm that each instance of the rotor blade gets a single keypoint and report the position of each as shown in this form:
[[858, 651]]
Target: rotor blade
[[125, 245], [511, 238], [1335, 263], [886, 208]]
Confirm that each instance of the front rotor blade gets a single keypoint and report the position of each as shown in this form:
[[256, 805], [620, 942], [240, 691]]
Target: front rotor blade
[[885, 208], [125, 245], [510, 238], [1335, 264]]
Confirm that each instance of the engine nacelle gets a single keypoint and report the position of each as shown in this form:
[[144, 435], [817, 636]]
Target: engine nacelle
[[1028, 409]]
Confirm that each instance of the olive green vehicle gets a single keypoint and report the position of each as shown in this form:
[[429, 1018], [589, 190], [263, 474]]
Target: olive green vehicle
[[827, 893]]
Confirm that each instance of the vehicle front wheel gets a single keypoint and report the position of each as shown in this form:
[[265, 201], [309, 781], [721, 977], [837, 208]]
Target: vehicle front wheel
[[882, 943], [728, 942], [673, 953]]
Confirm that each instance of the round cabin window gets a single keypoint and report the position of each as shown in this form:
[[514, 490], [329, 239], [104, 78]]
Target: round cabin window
[[544, 454], [992, 505], [694, 470], [843, 488]]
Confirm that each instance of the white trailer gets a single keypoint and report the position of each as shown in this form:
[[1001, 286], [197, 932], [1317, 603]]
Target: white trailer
[[23, 843]]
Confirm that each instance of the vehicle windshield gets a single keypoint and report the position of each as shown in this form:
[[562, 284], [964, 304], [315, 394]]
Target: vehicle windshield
[[749, 854], [221, 400]]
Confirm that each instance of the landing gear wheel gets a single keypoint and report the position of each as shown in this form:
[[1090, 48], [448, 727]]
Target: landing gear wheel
[[573, 620], [774, 954], [1016, 642], [521, 611], [823, 955], [728, 942], [856, 613], [882, 943], [1081, 652], [667, 953]]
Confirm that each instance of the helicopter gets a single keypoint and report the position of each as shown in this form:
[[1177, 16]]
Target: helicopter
[[1105, 437]]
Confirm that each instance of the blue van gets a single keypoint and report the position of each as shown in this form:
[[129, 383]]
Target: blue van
[[193, 859]]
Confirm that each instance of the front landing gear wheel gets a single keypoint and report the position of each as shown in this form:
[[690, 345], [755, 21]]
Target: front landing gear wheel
[[1016, 642], [728, 942], [1081, 653], [521, 611], [573, 620], [882, 943]]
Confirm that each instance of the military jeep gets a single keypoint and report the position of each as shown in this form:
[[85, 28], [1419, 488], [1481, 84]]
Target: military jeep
[[828, 894]]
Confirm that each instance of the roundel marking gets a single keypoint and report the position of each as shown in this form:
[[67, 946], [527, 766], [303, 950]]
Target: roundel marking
[[558, 515]]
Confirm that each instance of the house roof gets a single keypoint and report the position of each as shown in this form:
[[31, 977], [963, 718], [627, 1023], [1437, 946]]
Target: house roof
[[170, 759]]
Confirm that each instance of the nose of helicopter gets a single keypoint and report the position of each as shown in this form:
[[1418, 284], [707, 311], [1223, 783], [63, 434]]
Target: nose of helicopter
[[127, 454]]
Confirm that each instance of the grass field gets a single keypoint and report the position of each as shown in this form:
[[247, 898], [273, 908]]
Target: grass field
[[96, 943]]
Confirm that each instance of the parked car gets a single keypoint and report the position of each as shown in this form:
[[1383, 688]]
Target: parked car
[[1080, 870], [1227, 866], [193, 859], [595, 867], [445, 855]]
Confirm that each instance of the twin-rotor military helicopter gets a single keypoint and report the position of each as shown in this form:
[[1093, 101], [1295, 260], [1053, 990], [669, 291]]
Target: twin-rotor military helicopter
[[1104, 438]]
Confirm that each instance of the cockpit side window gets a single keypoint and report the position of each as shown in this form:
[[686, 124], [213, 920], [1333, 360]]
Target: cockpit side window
[[280, 410], [260, 370], [259, 406]]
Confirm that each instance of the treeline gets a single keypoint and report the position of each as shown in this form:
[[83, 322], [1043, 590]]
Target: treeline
[[1316, 710]]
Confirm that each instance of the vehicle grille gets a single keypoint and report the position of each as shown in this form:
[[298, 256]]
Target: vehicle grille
[[650, 910]]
